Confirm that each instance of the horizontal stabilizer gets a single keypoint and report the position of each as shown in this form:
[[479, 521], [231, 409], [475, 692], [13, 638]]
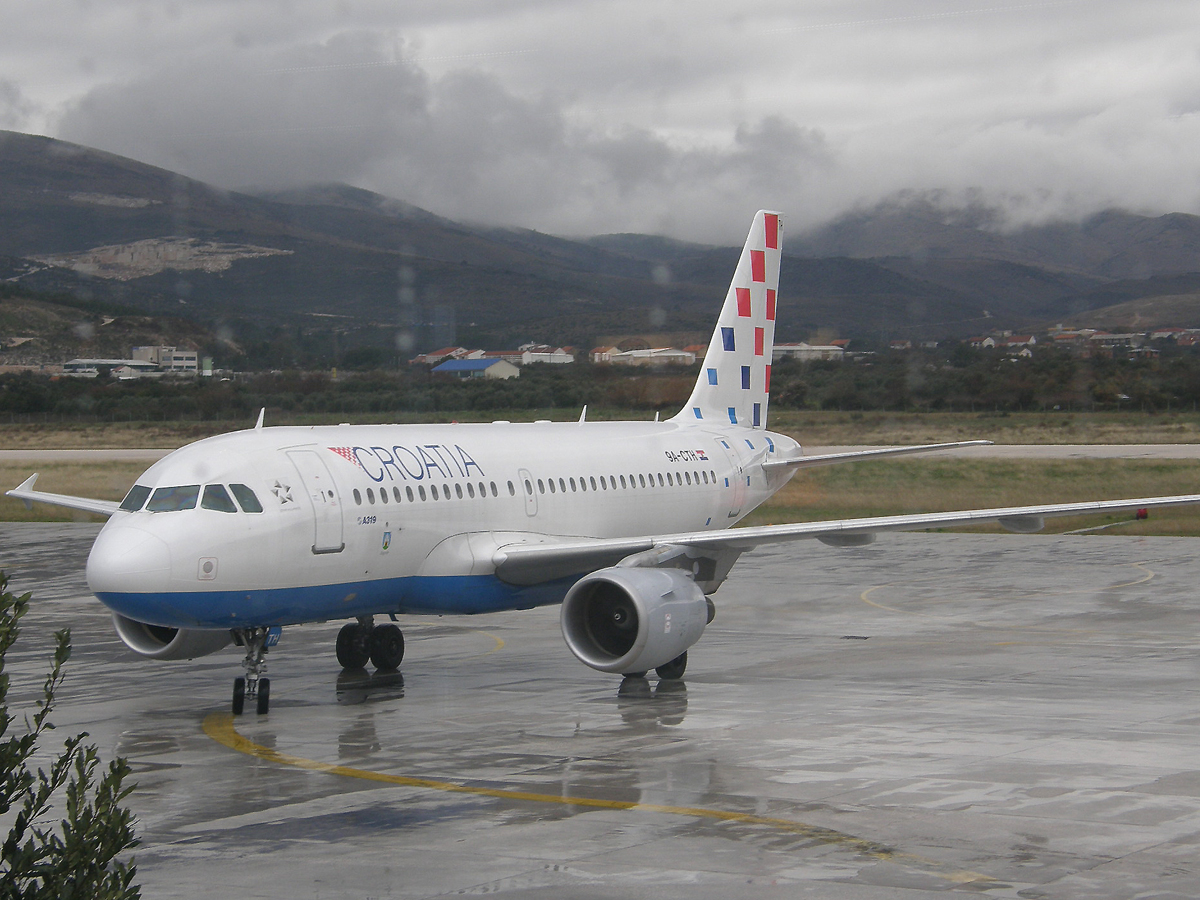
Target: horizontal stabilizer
[[829, 459]]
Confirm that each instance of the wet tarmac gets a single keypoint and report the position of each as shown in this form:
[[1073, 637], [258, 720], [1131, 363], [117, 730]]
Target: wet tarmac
[[1006, 715]]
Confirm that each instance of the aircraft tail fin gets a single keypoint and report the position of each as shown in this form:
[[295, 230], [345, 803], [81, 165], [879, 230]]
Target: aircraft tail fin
[[735, 381]]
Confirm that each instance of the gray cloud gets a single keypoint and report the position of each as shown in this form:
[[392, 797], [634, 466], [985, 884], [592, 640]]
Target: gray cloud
[[622, 115], [15, 110]]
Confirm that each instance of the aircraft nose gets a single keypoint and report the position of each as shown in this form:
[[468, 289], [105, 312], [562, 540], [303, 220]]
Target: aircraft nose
[[129, 560]]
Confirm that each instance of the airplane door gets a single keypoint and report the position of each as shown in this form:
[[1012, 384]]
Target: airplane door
[[735, 480], [323, 495], [528, 490]]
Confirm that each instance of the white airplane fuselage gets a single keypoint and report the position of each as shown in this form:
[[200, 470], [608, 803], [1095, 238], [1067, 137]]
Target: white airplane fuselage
[[377, 519]]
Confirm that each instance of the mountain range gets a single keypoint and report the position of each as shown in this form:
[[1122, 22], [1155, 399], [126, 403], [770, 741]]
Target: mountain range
[[363, 269]]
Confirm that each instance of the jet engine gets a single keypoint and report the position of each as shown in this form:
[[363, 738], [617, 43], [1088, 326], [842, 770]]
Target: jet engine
[[625, 620], [159, 642]]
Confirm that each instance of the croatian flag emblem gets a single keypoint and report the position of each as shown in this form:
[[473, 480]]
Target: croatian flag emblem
[[347, 453]]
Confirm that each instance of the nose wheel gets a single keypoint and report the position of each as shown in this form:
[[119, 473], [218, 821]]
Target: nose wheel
[[254, 686]]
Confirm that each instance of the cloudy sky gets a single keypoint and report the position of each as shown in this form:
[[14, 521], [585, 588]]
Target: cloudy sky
[[595, 116]]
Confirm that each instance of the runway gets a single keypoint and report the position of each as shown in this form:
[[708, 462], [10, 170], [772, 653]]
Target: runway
[[1006, 715]]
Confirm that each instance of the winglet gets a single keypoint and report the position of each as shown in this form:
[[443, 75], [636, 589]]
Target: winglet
[[583, 415], [262, 414], [26, 485]]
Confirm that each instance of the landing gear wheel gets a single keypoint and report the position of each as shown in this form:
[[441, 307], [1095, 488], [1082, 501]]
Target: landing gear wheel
[[254, 686], [239, 695], [673, 670], [353, 646], [387, 647]]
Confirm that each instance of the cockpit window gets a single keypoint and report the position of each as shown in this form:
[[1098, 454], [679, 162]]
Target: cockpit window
[[246, 497], [170, 499], [216, 497], [136, 498]]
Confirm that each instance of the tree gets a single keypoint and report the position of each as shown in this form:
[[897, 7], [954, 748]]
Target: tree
[[75, 857]]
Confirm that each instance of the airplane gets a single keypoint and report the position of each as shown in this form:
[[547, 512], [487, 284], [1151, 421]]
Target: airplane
[[627, 525]]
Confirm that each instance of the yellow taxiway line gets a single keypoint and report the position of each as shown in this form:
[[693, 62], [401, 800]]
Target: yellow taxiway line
[[220, 727]]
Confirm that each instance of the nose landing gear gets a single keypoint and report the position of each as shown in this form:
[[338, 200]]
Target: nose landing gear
[[254, 685]]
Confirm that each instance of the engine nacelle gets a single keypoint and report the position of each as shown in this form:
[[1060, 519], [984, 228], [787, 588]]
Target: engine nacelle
[[625, 620], [159, 642]]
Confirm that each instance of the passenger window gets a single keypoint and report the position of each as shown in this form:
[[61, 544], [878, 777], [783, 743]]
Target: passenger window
[[670, 483], [495, 493], [433, 491], [572, 485], [470, 490], [247, 498], [409, 492], [688, 477], [562, 485], [136, 498], [396, 494], [660, 479], [383, 495], [593, 480], [642, 480], [583, 484], [173, 499], [458, 491], [551, 483], [622, 481], [216, 497], [512, 491], [421, 490], [357, 498], [541, 487], [528, 488]]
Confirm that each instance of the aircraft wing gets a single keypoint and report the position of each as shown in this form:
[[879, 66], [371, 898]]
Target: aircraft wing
[[25, 492], [529, 563], [829, 459]]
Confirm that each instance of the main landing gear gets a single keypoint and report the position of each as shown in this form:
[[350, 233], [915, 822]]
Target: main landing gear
[[364, 641], [254, 686]]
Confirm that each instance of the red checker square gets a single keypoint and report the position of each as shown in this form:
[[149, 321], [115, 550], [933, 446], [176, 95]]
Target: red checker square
[[770, 305], [758, 341], [758, 265], [772, 224], [767, 381], [743, 301]]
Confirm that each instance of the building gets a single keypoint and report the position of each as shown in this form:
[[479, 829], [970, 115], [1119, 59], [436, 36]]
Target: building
[[658, 356], [118, 368], [436, 356], [807, 352], [169, 359], [541, 353], [477, 368]]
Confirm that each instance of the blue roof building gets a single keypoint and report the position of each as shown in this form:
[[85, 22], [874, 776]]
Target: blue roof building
[[477, 368]]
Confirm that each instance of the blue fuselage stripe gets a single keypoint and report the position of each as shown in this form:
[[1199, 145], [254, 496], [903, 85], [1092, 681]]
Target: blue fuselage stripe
[[418, 595]]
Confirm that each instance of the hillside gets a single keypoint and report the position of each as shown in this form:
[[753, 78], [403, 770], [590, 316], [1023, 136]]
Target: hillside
[[324, 269], [34, 330]]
